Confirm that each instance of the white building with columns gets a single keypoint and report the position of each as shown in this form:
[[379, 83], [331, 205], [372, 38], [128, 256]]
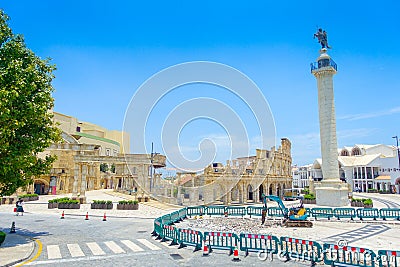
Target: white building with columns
[[366, 167]]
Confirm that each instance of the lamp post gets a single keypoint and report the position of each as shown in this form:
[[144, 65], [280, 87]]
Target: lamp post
[[151, 165], [397, 145]]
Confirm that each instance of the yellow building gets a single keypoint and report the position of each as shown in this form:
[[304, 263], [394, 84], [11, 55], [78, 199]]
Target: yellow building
[[86, 147]]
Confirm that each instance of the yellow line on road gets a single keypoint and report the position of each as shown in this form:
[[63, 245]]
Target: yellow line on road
[[37, 254]]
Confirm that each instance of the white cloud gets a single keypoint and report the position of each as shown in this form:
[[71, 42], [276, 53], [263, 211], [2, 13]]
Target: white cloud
[[362, 116]]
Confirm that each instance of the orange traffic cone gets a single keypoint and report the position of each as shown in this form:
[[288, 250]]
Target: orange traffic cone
[[205, 250], [62, 215], [236, 254], [104, 217], [87, 216]]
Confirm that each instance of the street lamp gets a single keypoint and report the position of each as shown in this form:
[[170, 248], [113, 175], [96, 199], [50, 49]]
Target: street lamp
[[151, 165], [397, 145]]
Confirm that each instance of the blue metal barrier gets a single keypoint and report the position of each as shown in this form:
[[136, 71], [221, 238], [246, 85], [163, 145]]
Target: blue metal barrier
[[257, 243], [389, 213], [274, 212], [198, 210], [220, 240], [170, 233], [340, 213], [368, 213], [322, 213], [254, 211], [294, 248], [235, 211], [216, 210], [389, 258], [335, 255], [189, 237]]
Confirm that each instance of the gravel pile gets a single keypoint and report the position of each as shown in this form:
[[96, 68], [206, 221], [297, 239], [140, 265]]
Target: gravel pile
[[233, 225]]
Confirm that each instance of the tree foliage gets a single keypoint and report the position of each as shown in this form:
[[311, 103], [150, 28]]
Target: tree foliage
[[26, 126]]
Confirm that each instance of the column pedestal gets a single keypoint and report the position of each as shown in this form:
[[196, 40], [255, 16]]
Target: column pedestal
[[331, 193]]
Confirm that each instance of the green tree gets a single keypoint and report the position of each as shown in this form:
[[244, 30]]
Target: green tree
[[26, 126]]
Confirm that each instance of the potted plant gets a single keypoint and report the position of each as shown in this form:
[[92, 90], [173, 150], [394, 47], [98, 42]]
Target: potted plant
[[367, 203], [52, 204], [309, 199], [128, 205], [101, 204], [69, 204]]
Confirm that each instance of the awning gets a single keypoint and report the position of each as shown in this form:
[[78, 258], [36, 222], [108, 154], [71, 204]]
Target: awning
[[383, 178]]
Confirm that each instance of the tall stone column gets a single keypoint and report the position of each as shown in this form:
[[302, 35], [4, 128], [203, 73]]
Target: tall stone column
[[331, 191], [76, 178], [83, 182]]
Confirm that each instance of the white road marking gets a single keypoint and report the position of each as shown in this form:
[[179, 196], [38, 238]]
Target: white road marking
[[53, 252], [95, 248], [75, 250], [148, 244], [132, 246], [114, 247]]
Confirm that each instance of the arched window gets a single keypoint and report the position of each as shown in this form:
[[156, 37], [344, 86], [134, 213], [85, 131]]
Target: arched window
[[344, 153], [355, 151]]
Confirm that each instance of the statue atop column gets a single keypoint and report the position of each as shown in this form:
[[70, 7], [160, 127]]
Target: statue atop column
[[322, 38]]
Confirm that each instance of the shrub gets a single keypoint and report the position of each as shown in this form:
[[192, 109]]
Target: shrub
[[367, 201], [59, 200], [128, 202], [2, 237], [309, 196], [28, 195]]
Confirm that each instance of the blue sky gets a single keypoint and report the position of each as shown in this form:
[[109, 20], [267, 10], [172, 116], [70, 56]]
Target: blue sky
[[104, 51]]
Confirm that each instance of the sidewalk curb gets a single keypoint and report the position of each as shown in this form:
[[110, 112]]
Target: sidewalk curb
[[27, 256]]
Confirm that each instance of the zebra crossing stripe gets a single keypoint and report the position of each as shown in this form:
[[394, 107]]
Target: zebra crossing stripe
[[53, 252], [132, 246], [114, 247], [75, 250], [95, 249], [148, 244]]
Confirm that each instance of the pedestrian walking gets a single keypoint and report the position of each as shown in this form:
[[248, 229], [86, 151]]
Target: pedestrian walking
[[20, 208]]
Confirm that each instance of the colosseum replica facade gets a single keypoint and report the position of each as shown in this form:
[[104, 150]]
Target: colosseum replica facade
[[242, 180]]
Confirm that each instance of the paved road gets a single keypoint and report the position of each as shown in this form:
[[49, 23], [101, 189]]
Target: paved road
[[75, 241]]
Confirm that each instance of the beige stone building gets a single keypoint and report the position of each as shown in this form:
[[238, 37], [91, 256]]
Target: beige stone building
[[86, 147], [243, 180]]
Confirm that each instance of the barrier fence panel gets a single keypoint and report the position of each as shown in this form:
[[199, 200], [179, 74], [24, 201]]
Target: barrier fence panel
[[254, 211], [157, 227], [198, 210], [220, 240], [389, 258], [236, 211], [348, 256], [166, 219], [216, 210], [189, 237], [258, 242], [170, 233], [175, 217], [182, 214], [301, 249], [368, 213], [389, 213], [274, 212], [322, 213], [340, 213]]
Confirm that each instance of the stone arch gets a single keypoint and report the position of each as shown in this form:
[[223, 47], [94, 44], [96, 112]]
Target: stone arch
[[250, 194], [279, 190], [41, 186], [261, 191]]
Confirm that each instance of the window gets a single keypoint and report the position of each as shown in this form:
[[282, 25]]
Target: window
[[108, 152], [78, 129]]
